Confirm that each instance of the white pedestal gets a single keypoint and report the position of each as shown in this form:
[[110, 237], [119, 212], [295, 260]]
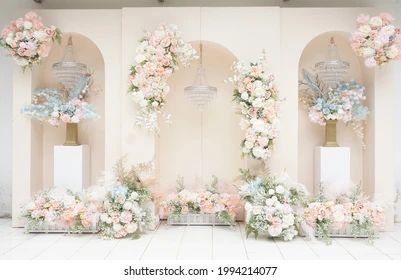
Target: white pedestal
[[71, 167], [332, 169]]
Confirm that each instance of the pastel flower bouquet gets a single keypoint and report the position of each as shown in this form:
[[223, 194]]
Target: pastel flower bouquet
[[347, 215], [58, 106], [60, 209], [258, 102], [158, 55], [123, 211], [209, 202], [28, 40], [376, 39], [272, 205], [342, 103]]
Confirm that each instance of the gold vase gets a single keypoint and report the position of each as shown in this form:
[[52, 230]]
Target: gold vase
[[71, 135], [331, 133]]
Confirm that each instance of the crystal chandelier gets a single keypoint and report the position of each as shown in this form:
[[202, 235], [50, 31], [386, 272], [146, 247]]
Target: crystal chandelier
[[69, 71], [200, 93], [333, 70]]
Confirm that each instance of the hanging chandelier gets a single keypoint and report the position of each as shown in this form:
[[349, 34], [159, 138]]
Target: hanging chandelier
[[200, 93], [332, 70], [69, 71]]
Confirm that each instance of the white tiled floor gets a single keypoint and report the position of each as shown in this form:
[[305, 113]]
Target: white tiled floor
[[197, 242]]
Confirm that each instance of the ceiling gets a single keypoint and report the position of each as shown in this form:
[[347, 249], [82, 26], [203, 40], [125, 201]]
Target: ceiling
[[115, 4]]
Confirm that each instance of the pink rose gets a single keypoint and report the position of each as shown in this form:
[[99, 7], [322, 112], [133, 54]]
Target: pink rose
[[31, 15], [126, 217], [386, 18], [44, 50]]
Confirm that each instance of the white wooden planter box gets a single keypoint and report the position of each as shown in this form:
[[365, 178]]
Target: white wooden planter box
[[196, 220], [56, 228]]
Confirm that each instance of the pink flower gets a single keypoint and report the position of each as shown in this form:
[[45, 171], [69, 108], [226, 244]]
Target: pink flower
[[31, 16], [126, 217], [44, 50], [386, 18]]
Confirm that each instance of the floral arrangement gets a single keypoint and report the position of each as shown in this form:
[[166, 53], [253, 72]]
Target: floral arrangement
[[61, 207], [272, 205], [258, 101], [55, 106], [343, 103], [210, 201], [377, 40], [123, 213], [158, 55], [354, 212], [28, 40]]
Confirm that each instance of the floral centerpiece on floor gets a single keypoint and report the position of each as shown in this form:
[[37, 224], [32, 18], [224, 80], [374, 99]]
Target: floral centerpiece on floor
[[123, 212], [272, 205], [351, 214], [210, 201], [376, 39], [28, 40], [56, 106], [62, 209], [258, 102], [343, 103], [158, 55]]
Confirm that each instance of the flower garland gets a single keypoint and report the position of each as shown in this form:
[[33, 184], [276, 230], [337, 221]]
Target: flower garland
[[60, 207], [28, 40], [344, 102], [210, 201], [158, 55], [257, 98], [55, 106], [352, 212], [271, 205], [377, 40]]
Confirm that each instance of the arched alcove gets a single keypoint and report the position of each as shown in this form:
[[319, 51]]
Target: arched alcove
[[91, 132], [195, 148], [311, 135]]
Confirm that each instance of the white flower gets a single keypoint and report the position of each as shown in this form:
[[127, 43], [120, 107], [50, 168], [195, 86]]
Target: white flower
[[75, 119], [365, 29], [258, 102], [244, 96], [248, 145], [288, 220], [259, 125], [132, 227], [257, 210], [104, 217], [155, 104], [367, 52], [259, 152], [375, 21], [140, 58], [269, 202], [280, 189], [389, 30], [271, 191], [259, 91], [392, 52], [117, 227], [27, 24], [127, 205], [134, 196], [143, 103]]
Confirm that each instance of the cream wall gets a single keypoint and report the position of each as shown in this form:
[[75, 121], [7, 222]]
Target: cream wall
[[244, 32]]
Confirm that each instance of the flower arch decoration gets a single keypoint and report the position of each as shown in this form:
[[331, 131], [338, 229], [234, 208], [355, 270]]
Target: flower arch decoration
[[258, 103], [158, 55]]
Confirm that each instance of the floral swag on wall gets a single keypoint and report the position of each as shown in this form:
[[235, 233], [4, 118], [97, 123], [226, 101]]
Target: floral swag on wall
[[157, 57], [258, 103]]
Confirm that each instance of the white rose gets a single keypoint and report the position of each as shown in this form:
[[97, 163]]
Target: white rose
[[245, 150], [389, 30], [127, 205], [259, 152], [375, 21], [155, 103], [288, 220], [269, 202], [104, 217], [244, 96], [259, 125], [248, 144], [260, 91], [117, 227], [365, 29], [134, 195], [9, 40], [257, 103], [271, 191], [392, 52], [280, 189], [140, 58], [368, 52], [27, 24], [131, 228]]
